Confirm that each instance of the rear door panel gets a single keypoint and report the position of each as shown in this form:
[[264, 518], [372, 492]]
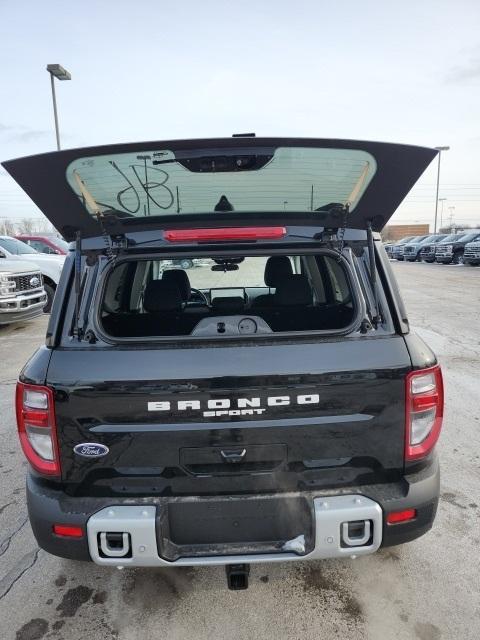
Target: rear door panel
[[324, 413]]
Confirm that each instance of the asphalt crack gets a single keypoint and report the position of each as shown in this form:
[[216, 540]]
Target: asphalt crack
[[13, 576], [3, 507], [6, 542]]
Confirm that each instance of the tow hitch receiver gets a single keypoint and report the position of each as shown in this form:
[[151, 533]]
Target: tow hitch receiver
[[237, 576]]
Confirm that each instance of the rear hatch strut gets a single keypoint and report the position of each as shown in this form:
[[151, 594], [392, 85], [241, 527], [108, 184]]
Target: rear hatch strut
[[373, 274]]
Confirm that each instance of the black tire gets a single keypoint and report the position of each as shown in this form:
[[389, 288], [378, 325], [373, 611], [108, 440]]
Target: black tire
[[50, 291], [458, 257], [186, 263]]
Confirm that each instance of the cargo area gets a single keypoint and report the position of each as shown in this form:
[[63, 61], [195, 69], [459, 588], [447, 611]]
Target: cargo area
[[228, 296]]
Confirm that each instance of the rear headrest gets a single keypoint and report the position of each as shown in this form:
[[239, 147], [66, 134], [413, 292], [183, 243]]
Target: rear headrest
[[276, 269], [179, 278], [294, 290], [232, 303], [161, 296]]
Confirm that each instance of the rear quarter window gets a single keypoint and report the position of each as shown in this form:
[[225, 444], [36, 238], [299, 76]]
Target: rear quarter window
[[338, 280]]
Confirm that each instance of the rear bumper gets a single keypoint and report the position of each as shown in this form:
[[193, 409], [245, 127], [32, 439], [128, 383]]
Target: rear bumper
[[138, 518]]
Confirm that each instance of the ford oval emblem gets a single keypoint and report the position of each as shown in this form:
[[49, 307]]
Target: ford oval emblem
[[91, 450], [34, 282]]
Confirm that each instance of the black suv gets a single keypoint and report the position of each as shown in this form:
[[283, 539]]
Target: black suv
[[452, 252], [428, 250], [412, 250], [271, 405], [471, 253]]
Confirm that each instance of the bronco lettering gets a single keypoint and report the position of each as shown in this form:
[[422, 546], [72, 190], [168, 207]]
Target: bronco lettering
[[224, 406]]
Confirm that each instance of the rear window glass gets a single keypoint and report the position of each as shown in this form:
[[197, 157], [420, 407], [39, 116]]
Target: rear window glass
[[159, 183], [226, 296]]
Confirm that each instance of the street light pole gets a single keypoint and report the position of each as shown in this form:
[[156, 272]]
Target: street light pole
[[57, 71], [55, 114], [452, 211], [442, 200], [439, 149]]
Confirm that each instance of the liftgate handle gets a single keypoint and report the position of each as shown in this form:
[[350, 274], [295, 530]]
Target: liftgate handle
[[233, 457]]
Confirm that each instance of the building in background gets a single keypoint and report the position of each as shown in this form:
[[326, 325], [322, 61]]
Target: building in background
[[394, 232]]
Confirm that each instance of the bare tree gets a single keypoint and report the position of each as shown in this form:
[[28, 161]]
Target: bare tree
[[12, 227], [387, 234], [26, 225], [43, 225], [8, 227], [458, 228]]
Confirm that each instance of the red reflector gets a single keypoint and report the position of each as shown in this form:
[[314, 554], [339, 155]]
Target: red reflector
[[37, 417], [421, 403], [233, 233], [401, 516], [67, 530]]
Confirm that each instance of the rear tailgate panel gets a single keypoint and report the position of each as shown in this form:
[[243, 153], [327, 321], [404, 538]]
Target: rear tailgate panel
[[346, 429]]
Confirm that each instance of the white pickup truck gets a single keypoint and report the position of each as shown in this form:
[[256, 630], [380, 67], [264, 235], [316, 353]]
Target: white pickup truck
[[22, 295], [50, 266]]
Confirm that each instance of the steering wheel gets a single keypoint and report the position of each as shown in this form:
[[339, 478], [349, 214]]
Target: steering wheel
[[200, 297]]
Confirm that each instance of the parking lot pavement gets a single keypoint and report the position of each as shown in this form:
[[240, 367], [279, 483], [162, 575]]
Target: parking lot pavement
[[426, 590]]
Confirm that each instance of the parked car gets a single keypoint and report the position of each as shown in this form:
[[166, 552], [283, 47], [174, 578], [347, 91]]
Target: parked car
[[452, 252], [45, 243], [188, 263], [427, 252], [411, 251], [22, 296], [299, 417], [50, 266], [397, 251], [388, 246], [471, 254]]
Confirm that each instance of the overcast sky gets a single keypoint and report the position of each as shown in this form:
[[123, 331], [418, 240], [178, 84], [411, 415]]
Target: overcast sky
[[151, 70]]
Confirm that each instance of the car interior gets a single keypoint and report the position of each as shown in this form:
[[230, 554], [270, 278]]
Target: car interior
[[227, 296]]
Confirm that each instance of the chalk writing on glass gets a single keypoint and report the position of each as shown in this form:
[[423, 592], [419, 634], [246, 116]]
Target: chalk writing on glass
[[152, 184]]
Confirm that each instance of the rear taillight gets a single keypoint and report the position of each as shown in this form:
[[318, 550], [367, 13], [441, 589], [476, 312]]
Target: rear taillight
[[230, 233], [424, 411], [36, 427]]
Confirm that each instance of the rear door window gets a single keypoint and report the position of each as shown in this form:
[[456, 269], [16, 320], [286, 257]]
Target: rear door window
[[223, 296]]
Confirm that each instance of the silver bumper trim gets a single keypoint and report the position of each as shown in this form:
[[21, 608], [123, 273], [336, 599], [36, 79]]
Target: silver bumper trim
[[15, 302], [331, 513]]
